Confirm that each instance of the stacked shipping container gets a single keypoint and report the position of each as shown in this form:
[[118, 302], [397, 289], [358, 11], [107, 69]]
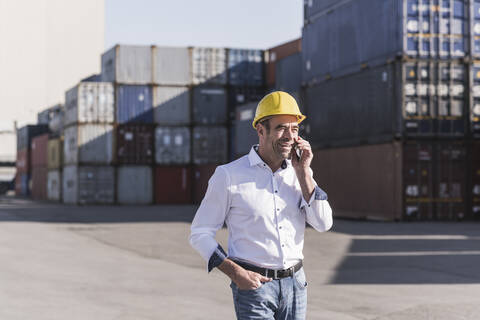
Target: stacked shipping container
[[39, 160], [388, 88]]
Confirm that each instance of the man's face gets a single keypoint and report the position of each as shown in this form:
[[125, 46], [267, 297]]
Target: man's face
[[279, 140]]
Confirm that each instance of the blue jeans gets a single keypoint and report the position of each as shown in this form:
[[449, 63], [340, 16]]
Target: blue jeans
[[284, 299]]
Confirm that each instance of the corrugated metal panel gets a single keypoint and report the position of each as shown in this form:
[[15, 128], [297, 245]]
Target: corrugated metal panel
[[88, 144], [39, 154], [245, 67], [26, 133], [22, 182], [243, 136], [134, 185], [39, 183], [55, 153], [312, 7], [54, 185], [210, 144], [288, 74], [134, 104], [359, 33], [412, 99], [238, 96], [128, 65], [172, 145], [474, 176], [173, 185], [46, 116], [171, 105], [134, 144], [23, 161], [475, 98], [201, 175], [88, 184], [171, 66], [209, 65], [209, 105], [277, 53], [90, 102]]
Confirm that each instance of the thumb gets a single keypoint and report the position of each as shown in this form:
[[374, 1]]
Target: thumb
[[265, 279]]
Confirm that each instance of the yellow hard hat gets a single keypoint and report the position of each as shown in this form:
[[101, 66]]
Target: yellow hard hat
[[277, 103]]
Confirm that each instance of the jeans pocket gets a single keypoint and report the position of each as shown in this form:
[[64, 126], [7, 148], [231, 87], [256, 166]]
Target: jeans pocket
[[300, 279]]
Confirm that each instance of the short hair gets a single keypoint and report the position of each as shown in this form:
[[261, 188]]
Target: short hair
[[266, 124]]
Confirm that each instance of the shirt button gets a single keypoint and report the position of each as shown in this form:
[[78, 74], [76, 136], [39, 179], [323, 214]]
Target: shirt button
[[278, 209], [280, 227], [283, 245], [276, 191]]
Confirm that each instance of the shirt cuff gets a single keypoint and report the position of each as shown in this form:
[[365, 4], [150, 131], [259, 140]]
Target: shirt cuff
[[216, 258], [318, 194]]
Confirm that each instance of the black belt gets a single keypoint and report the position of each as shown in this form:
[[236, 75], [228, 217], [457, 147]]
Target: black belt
[[271, 273]]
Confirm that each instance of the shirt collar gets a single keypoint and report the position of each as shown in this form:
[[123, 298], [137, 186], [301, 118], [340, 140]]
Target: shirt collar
[[255, 159]]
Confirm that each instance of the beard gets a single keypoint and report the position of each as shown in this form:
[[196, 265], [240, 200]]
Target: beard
[[282, 149]]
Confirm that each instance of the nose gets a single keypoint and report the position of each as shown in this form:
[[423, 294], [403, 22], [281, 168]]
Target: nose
[[289, 133]]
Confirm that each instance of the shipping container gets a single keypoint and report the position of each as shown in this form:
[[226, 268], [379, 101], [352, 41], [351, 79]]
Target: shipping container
[[288, 74], [172, 145], [238, 96], [245, 67], [311, 8], [363, 33], [475, 98], [393, 181], [274, 54], [171, 105], [88, 144], [90, 102], [209, 105], [134, 144], [210, 144], [39, 183], [134, 185], [54, 185], [201, 176], [171, 66], [39, 156], [8, 141], [55, 153], [88, 184], [57, 122], [242, 135], [474, 169], [208, 65], [22, 184], [23, 161], [173, 185], [401, 99], [45, 116], [26, 133], [128, 64], [134, 104]]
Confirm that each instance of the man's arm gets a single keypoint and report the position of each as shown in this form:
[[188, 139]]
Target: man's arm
[[244, 279]]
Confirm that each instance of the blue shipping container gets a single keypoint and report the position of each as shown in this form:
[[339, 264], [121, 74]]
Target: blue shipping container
[[245, 67], [363, 33], [288, 73], [134, 104], [313, 7]]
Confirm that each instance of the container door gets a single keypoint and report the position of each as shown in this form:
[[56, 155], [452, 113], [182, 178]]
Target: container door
[[475, 100]]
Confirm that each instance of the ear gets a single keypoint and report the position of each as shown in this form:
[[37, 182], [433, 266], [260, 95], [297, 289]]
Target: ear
[[260, 130]]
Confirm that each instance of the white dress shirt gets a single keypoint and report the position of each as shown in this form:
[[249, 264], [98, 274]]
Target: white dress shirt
[[265, 213]]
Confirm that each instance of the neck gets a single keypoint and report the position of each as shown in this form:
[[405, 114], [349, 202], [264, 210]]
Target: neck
[[269, 158]]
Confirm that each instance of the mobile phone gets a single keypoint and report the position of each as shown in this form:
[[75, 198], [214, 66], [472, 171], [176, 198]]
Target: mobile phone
[[298, 152]]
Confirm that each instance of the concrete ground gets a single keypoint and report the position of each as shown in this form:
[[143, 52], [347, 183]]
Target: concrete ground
[[121, 262]]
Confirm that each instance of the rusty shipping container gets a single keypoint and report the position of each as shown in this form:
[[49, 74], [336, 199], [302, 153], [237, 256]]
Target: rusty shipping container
[[55, 153], [201, 176], [39, 150], [415, 180], [23, 161], [173, 185], [474, 170], [135, 144], [277, 53], [39, 183]]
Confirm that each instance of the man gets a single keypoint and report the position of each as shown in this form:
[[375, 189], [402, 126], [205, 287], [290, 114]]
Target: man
[[264, 198]]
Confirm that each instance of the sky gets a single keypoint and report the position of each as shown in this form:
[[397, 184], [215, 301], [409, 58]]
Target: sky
[[212, 23]]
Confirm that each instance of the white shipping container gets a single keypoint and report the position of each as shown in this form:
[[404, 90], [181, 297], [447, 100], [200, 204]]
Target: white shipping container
[[88, 144], [88, 184], [90, 102], [54, 185], [8, 146], [125, 64], [209, 65], [134, 185], [171, 105], [171, 66]]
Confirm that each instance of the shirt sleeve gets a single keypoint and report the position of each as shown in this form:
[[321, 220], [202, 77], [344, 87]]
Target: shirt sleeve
[[317, 210], [209, 218]]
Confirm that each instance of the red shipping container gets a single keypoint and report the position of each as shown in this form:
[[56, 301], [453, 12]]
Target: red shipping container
[[278, 53], [39, 151], [18, 185], [39, 183], [135, 143], [173, 185], [23, 161], [201, 175]]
